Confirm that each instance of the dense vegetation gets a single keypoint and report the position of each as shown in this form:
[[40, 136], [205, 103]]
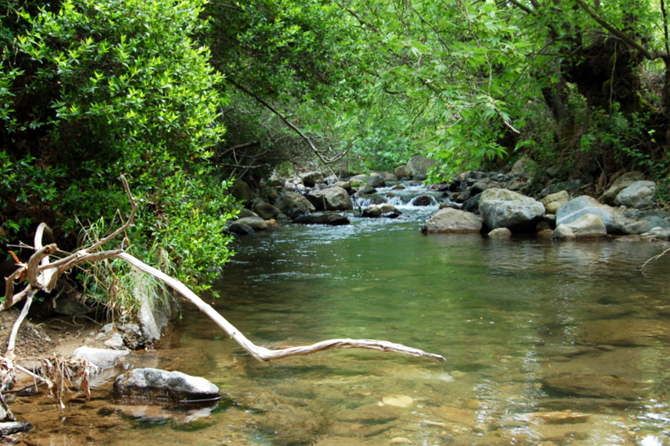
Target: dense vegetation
[[184, 97]]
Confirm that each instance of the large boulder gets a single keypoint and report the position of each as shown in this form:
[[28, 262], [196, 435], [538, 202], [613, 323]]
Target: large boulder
[[160, 387], [311, 179], [331, 199], [449, 221], [502, 208], [587, 226], [614, 220], [639, 194], [620, 184], [553, 202], [290, 202], [418, 166], [265, 210]]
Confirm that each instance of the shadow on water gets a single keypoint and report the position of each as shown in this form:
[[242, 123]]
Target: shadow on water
[[546, 343]]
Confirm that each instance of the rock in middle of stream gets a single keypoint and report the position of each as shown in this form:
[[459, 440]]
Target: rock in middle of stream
[[159, 387]]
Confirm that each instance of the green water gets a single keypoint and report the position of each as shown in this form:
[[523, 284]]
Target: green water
[[508, 314]]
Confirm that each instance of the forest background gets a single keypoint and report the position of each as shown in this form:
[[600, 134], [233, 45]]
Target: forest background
[[186, 96]]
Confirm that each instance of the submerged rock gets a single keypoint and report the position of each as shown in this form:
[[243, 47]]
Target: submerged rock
[[554, 417], [160, 387], [598, 386], [625, 332]]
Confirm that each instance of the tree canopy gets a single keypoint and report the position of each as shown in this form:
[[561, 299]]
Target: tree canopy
[[185, 97]]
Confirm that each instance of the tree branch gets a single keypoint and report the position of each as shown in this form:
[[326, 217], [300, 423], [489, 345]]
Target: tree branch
[[651, 55], [285, 120], [260, 353]]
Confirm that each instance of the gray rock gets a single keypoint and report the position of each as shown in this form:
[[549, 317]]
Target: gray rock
[[256, 223], [637, 227], [553, 202], [266, 211], [311, 179], [638, 195], [240, 228], [578, 207], [376, 180], [418, 166], [598, 386], [502, 208], [155, 386], [276, 180], [244, 213], [620, 184], [587, 226], [449, 221], [402, 172], [102, 358], [659, 233], [381, 210], [523, 167], [482, 185], [115, 342], [388, 176], [330, 199], [289, 202]]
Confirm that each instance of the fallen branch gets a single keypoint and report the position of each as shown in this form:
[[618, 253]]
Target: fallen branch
[[261, 353], [50, 272]]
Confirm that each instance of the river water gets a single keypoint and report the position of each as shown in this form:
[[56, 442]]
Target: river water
[[516, 319]]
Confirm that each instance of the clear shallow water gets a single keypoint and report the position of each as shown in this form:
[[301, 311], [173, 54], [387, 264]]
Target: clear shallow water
[[508, 314]]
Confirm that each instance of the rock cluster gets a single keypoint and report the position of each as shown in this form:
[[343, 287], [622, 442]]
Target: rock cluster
[[312, 198], [562, 210]]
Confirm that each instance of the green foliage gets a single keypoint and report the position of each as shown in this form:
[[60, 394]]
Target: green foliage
[[117, 87]]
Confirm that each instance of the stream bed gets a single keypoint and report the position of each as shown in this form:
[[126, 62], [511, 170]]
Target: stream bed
[[546, 343]]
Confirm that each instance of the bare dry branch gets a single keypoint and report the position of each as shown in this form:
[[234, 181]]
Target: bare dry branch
[[263, 354]]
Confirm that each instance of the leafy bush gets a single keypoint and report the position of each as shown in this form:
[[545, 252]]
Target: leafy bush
[[104, 88]]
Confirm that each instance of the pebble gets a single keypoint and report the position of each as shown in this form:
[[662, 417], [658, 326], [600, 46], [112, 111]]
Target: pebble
[[397, 401]]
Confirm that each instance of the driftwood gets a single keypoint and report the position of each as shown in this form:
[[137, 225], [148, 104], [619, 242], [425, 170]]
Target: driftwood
[[42, 275]]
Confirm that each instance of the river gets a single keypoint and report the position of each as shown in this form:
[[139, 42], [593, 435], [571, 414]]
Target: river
[[509, 315]]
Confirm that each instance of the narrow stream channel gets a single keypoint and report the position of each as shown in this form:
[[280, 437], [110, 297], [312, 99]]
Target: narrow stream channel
[[546, 343]]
